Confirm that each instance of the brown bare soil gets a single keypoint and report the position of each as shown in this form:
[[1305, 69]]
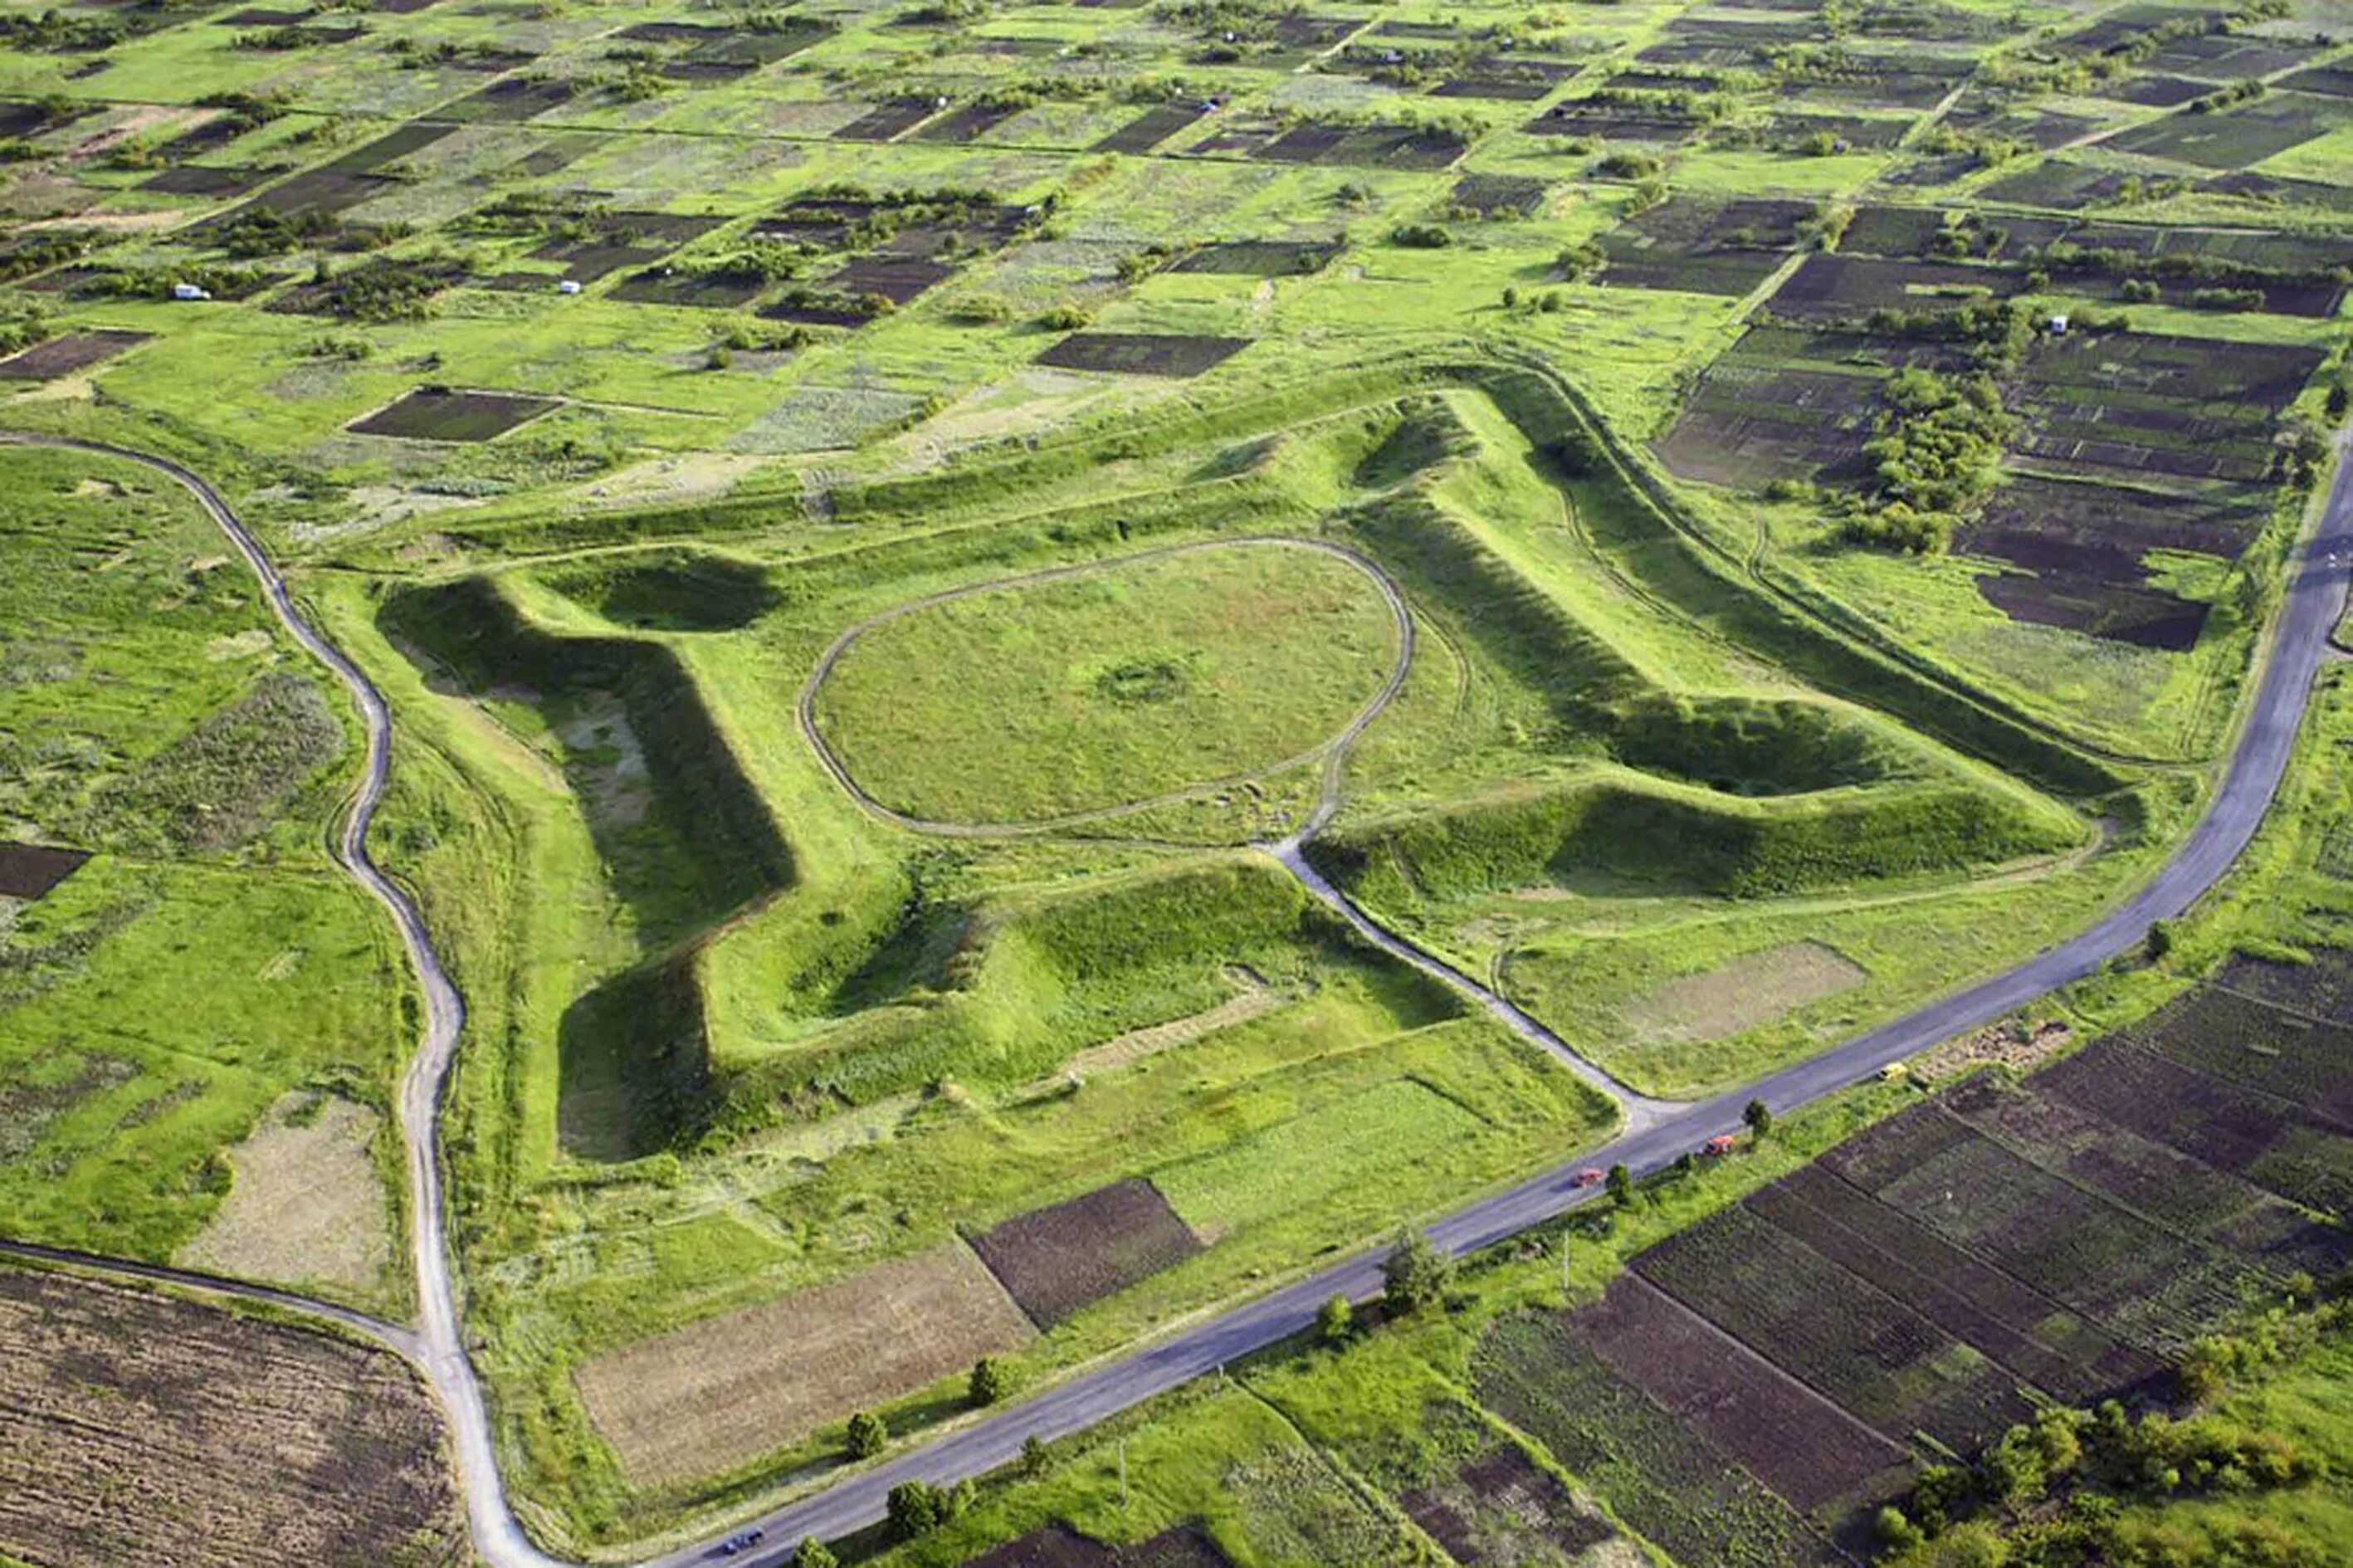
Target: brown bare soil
[[1790, 1437], [304, 1204], [1179, 354], [714, 1394], [1058, 1545], [1754, 989], [64, 355], [1056, 1260], [146, 1429], [2017, 1046], [1502, 1509], [28, 871]]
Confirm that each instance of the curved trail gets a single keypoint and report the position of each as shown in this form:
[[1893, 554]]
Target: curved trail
[[438, 1344], [392, 1336], [1330, 752], [2314, 602], [1641, 1110]]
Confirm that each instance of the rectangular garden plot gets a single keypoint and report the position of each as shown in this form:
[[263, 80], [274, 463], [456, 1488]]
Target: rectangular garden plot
[[1658, 1474], [967, 123], [2320, 989], [1618, 121], [391, 147], [30, 871], [1260, 257], [1493, 88], [2297, 1058], [2086, 544], [64, 355], [2145, 403], [704, 291], [2152, 1178], [1057, 1260], [1883, 1362], [1703, 247], [1788, 1437], [1499, 195], [720, 1393], [1176, 354], [1151, 128], [1756, 417], [888, 121], [515, 98], [1503, 1493], [2008, 1322], [439, 413], [2299, 1155], [196, 180], [2234, 139], [2140, 1281], [1832, 287], [892, 279], [1365, 146]]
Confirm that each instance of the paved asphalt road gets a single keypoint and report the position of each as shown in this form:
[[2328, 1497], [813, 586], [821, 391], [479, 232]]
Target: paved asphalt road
[[2315, 599]]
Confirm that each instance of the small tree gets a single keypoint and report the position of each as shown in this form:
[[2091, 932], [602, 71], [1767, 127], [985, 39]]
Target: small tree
[[989, 1382], [1621, 1186], [916, 1507], [813, 1553], [2160, 940], [1760, 1117], [1336, 1321], [1415, 1273], [1033, 1457], [867, 1436]]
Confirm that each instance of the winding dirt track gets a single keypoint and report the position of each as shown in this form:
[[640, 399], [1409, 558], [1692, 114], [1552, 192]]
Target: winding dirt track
[[437, 1346], [2315, 602]]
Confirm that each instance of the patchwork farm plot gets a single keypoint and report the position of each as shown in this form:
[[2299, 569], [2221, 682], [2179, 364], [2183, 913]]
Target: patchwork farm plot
[[1720, 520], [235, 1429], [1913, 1290]]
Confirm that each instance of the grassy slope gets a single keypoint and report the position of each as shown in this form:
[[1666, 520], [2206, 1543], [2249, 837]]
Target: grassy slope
[[209, 958], [879, 966]]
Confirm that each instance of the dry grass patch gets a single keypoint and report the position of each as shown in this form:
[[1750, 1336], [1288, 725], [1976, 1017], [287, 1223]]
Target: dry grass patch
[[2021, 1047], [718, 1393], [146, 1429], [305, 1205], [1754, 989], [1252, 997]]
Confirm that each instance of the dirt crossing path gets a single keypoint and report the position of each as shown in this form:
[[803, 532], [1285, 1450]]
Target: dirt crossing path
[[2314, 603], [437, 1346]]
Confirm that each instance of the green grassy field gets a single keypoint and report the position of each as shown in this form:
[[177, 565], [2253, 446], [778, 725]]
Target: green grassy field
[[1109, 688], [207, 960], [1025, 346]]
